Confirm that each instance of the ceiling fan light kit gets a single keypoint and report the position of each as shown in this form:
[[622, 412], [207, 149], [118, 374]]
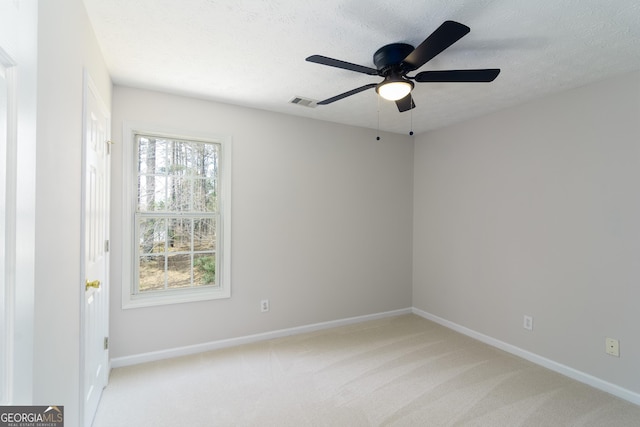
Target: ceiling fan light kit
[[394, 61], [394, 88]]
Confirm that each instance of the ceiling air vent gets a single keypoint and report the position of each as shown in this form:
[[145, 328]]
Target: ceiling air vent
[[304, 102]]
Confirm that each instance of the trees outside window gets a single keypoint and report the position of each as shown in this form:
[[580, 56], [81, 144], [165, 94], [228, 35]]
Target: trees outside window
[[178, 216]]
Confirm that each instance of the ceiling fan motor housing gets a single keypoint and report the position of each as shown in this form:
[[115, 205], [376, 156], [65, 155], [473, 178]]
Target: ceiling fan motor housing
[[391, 54]]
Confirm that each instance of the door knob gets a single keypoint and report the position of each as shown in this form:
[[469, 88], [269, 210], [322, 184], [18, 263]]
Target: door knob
[[94, 284]]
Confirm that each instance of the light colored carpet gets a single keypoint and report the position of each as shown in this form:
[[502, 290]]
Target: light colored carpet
[[400, 371]]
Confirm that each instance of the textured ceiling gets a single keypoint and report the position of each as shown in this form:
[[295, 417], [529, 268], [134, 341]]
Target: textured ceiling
[[252, 52]]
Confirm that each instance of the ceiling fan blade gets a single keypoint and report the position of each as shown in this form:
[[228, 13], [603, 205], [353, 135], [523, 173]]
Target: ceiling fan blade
[[319, 59], [405, 104], [461, 76], [444, 36], [349, 93]]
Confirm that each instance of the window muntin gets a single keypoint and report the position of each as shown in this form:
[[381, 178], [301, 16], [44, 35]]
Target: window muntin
[[177, 214]]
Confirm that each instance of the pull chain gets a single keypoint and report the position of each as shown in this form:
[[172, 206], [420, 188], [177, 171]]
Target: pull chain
[[411, 105], [378, 137]]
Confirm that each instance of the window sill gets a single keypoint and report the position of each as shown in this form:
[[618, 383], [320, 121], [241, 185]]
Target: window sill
[[173, 297]]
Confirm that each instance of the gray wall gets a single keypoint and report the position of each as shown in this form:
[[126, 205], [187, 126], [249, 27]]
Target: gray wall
[[321, 219], [536, 210]]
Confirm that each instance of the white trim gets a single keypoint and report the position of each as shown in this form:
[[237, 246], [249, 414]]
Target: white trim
[[232, 342], [567, 371], [129, 130], [87, 85], [20, 58], [8, 196]]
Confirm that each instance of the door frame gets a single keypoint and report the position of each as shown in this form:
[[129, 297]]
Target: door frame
[[19, 56], [90, 87], [7, 231]]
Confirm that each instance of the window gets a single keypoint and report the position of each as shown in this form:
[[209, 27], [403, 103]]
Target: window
[[180, 218]]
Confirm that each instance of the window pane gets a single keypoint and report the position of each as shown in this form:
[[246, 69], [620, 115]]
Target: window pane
[[152, 235], [189, 156], [179, 231], [152, 193], [179, 271], [209, 162], [205, 195], [151, 273], [179, 194], [204, 234], [146, 155], [152, 155], [204, 269]]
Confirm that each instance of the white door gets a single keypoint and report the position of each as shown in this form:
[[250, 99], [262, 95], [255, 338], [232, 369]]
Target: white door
[[96, 250]]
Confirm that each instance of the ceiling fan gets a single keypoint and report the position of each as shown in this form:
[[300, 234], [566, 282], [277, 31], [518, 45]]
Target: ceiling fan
[[395, 60]]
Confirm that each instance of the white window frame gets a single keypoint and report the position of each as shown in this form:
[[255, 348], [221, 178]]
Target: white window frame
[[130, 299]]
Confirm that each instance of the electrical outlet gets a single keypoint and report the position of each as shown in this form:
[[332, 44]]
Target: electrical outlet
[[264, 305], [612, 347], [528, 323]]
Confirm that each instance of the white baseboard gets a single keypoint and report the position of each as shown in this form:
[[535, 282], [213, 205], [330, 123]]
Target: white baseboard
[[215, 345], [567, 371]]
